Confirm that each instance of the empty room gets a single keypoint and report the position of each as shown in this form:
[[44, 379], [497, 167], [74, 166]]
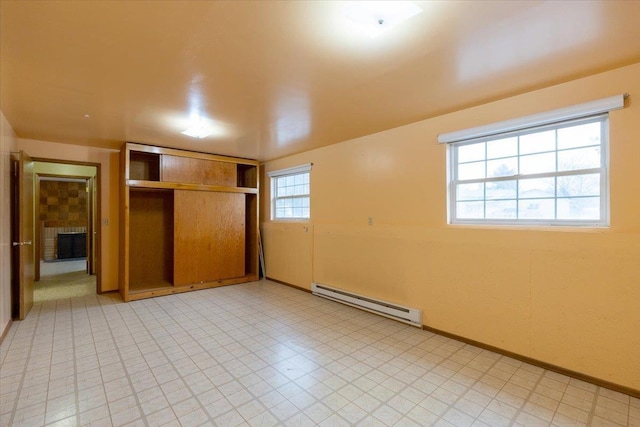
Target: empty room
[[331, 213]]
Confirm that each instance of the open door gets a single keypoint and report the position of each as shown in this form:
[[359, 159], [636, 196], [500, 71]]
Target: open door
[[91, 226], [23, 259]]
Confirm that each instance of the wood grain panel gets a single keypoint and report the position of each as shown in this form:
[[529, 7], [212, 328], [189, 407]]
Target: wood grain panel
[[123, 229], [209, 235], [198, 171], [150, 239], [251, 256]]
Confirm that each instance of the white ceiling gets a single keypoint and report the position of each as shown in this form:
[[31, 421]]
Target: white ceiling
[[281, 77]]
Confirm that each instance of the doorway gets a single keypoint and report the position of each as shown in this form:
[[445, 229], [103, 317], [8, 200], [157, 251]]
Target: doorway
[[65, 230]]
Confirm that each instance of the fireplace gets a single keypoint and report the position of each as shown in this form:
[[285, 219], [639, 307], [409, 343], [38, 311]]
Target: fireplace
[[72, 245]]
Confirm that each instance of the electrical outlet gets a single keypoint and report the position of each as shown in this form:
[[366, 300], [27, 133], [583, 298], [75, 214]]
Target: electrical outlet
[[370, 220], [105, 222]]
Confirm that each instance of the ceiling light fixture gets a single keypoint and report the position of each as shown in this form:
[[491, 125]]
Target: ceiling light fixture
[[198, 130], [376, 17]]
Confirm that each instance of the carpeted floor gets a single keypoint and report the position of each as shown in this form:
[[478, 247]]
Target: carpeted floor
[[67, 284]]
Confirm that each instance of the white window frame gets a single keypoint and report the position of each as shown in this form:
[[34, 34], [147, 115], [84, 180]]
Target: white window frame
[[283, 173], [596, 111]]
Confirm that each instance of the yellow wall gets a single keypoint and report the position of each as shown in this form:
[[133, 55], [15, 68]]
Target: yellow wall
[[7, 144], [109, 172], [563, 296]]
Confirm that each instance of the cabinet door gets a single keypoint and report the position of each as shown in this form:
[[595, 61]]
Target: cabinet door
[[198, 171], [209, 236]]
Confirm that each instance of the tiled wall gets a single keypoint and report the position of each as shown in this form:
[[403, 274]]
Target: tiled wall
[[63, 204]]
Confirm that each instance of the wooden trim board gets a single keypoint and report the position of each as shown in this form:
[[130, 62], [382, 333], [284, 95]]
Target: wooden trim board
[[289, 285], [169, 290], [188, 153], [548, 366]]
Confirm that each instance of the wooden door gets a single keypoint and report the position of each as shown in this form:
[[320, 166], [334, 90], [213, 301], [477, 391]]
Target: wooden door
[[209, 236], [91, 230], [23, 258]]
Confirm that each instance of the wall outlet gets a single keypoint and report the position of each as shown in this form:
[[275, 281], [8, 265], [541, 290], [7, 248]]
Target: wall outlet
[[370, 220]]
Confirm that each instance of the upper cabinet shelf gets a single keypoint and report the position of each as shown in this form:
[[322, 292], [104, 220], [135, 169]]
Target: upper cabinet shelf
[[179, 186], [149, 166], [144, 166]]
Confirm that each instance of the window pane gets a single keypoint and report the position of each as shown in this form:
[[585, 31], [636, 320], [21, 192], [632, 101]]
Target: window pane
[[505, 147], [501, 209], [287, 200], [502, 167], [537, 209], [501, 190], [579, 185], [470, 210], [581, 158], [579, 136], [471, 170], [470, 191], [538, 163], [538, 142], [581, 208], [536, 188], [471, 152]]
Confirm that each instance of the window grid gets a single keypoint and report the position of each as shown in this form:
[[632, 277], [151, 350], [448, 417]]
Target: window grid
[[291, 197], [582, 207]]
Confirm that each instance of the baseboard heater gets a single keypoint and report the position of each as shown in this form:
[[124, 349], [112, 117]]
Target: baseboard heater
[[411, 316]]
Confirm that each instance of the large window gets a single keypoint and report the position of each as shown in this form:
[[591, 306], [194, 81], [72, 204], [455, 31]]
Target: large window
[[290, 193], [546, 169], [552, 174]]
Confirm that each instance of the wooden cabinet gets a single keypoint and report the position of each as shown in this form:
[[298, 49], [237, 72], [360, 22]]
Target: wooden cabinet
[[188, 221]]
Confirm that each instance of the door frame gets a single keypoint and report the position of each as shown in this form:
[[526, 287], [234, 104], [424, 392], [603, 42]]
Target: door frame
[[97, 261], [89, 182]]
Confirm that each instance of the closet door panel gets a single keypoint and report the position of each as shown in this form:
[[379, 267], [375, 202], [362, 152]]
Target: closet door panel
[[198, 171], [209, 236]]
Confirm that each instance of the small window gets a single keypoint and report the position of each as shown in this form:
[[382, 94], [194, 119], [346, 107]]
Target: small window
[[546, 175], [290, 193]]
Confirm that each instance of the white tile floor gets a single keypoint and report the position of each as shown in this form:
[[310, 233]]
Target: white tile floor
[[264, 354]]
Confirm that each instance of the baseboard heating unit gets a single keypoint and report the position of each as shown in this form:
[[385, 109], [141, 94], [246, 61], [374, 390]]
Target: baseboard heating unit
[[411, 316]]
